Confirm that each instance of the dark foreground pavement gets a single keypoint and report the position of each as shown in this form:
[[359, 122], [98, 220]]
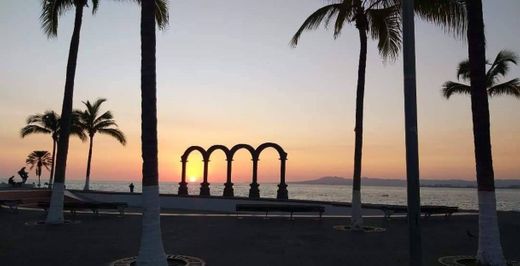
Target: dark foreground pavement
[[251, 241]]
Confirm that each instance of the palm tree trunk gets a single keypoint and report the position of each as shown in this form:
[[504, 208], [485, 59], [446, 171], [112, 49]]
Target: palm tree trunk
[[53, 162], [89, 160], [411, 135], [151, 250], [55, 214], [489, 246], [357, 219]]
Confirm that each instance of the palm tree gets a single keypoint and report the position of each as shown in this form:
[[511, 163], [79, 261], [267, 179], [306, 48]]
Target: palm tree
[[39, 159], [51, 12], [49, 123], [151, 250], [381, 19], [92, 122], [489, 246], [499, 68]]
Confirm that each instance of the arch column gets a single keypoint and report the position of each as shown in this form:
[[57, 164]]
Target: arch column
[[282, 192], [183, 185], [204, 186], [254, 192], [228, 186]]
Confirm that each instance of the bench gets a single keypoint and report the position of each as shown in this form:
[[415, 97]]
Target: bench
[[12, 204], [74, 206], [427, 210], [291, 208]]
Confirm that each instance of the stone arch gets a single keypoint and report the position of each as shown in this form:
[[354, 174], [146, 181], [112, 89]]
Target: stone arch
[[248, 147], [253, 190], [282, 187], [183, 185], [228, 186], [278, 148]]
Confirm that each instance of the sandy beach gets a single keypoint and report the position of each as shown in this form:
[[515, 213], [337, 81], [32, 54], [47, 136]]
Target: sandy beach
[[99, 240]]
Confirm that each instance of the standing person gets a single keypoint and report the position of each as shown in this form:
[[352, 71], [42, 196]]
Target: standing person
[[131, 186]]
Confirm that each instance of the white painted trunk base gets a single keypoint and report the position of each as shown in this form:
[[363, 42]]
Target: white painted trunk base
[[489, 246], [55, 214], [87, 184], [151, 251], [357, 218]]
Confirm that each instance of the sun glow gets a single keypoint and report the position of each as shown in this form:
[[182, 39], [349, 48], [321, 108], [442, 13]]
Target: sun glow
[[192, 179]]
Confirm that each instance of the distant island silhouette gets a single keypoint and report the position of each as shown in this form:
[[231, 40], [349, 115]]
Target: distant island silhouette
[[368, 181]]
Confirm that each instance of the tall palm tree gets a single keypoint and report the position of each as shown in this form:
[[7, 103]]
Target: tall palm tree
[[39, 159], [51, 12], [381, 19], [151, 250], [499, 68], [93, 122], [489, 246], [49, 123]]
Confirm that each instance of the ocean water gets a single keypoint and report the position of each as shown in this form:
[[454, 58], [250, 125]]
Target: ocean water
[[465, 198]]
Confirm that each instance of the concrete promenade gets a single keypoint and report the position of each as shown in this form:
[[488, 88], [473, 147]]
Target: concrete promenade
[[250, 241]]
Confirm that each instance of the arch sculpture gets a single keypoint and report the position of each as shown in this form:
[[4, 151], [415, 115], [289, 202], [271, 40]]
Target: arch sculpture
[[254, 191]]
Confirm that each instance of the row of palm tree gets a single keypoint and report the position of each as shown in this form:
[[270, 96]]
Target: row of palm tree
[[153, 13], [382, 20], [85, 124]]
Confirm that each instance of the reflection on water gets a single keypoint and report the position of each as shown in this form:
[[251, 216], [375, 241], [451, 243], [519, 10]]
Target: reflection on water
[[466, 198]]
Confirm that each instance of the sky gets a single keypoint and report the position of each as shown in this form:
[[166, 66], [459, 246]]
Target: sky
[[227, 75]]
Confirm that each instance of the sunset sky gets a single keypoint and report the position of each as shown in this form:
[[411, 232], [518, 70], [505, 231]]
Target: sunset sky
[[226, 75]]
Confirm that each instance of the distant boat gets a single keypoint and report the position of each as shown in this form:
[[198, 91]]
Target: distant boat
[[385, 195]]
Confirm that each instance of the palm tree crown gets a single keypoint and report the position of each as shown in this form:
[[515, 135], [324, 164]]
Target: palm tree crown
[[49, 123], [497, 70], [92, 122]]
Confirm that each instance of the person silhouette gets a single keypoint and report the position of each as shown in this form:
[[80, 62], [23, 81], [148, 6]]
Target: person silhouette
[[23, 174], [11, 180], [131, 186]]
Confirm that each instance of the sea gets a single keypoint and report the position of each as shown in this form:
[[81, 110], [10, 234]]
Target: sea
[[464, 198]]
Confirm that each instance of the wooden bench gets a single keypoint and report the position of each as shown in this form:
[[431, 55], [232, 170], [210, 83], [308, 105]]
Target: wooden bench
[[427, 210], [74, 206], [291, 208]]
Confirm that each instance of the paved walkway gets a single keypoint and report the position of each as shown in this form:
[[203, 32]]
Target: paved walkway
[[250, 241]]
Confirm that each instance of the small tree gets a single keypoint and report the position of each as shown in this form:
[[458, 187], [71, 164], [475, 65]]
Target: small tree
[[39, 159], [92, 122]]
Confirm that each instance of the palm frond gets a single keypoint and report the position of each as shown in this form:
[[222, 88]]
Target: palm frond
[[104, 124], [463, 72], [511, 87], [51, 11], [449, 88], [95, 6], [501, 65], [343, 15], [115, 133], [162, 14], [323, 14], [385, 27], [105, 116], [33, 129], [449, 14]]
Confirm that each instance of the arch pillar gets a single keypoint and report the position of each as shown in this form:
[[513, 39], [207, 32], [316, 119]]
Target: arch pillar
[[228, 186], [282, 192], [183, 185], [204, 186], [254, 192]]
